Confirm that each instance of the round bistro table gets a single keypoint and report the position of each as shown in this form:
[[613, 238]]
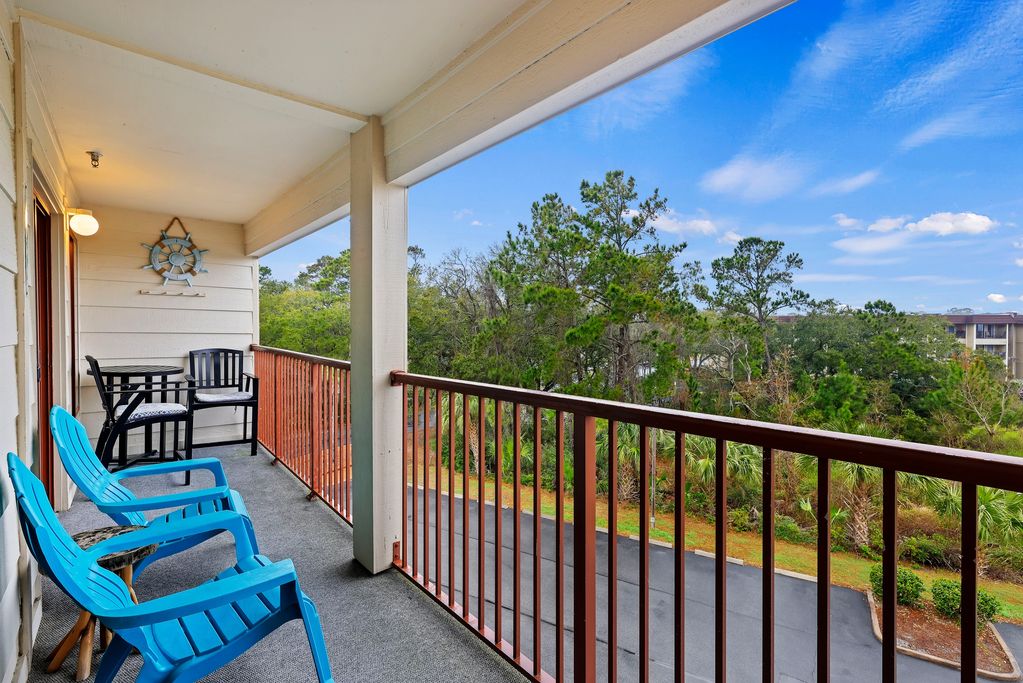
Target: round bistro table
[[124, 374], [84, 631]]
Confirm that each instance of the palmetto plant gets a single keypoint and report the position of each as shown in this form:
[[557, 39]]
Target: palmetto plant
[[999, 513]]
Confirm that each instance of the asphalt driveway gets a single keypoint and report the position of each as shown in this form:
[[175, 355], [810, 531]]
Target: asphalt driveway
[[855, 652]]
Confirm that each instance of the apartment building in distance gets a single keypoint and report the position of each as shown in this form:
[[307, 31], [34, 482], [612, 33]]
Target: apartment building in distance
[[1000, 334]]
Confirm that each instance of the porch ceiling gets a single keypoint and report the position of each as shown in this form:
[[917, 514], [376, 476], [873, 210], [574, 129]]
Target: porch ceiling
[[177, 140]]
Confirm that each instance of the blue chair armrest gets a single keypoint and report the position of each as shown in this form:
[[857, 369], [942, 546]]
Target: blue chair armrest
[[212, 464], [174, 531], [171, 500], [203, 597]]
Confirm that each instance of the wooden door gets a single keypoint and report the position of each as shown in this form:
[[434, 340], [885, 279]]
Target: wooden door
[[44, 343]]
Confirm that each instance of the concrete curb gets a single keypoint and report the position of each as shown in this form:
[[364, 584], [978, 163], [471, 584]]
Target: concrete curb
[[1013, 675]]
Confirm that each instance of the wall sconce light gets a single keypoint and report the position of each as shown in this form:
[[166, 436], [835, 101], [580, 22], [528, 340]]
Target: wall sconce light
[[83, 222]]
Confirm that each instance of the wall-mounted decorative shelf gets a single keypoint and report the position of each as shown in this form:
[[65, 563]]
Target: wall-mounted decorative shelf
[[168, 292]]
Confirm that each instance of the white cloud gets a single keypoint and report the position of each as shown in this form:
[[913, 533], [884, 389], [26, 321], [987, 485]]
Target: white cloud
[[845, 185], [996, 298], [845, 221], [730, 237], [873, 244], [831, 277], [672, 222], [867, 260], [946, 223], [756, 179], [461, 214], [633, 105], [1019, 262], [974, 121], [887, 224], [983, 63], [476, 223], [942, 280]]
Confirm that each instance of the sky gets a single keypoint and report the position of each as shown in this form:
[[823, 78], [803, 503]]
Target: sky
[[881, 140]]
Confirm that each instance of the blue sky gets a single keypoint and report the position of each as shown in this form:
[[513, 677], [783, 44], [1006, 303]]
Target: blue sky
[[883, 141]]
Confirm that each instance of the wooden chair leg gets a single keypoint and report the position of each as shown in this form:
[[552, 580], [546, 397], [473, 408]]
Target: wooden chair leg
[[255, 429], [85, 650], [60, 653], [106, 636]]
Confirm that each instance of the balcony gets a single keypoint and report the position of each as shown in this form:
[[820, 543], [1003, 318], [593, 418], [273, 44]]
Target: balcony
[[627, 588]]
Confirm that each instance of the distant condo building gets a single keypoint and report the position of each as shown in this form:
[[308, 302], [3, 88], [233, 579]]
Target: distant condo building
[[1000, 334]]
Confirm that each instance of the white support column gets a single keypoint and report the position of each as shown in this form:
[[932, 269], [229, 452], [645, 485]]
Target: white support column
[[379, 345]]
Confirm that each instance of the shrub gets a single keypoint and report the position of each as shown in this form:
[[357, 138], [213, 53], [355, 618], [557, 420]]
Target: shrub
[[740, 519], [931, 551], [909, 588], [787, 529], [948, 600], [1006, 563]]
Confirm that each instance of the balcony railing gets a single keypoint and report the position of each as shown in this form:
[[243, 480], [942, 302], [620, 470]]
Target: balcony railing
[[476, 457], [305, 418]]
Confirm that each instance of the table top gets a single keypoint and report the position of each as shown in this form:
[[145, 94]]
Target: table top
[[118, 560], [139, 370]]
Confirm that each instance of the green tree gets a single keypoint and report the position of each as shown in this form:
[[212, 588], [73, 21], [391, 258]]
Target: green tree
[[755, 283]]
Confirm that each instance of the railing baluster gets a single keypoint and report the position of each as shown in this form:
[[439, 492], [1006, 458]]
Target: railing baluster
[[537, 544], [415, 481], [968, 592], [348, 443], [612, 550], [481, 542], [644, 553], [426, 487], [451, 499], [559, 603], [680, 556], [889, 589], [404, 475], [465, 506], [517, 512], [498, 462], [438, 432], [720, 560], [767, 538], [584, 563], [824, 570]]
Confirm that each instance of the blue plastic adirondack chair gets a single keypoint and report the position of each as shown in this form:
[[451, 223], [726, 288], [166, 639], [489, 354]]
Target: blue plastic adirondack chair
[[110, 496], [184, 636]]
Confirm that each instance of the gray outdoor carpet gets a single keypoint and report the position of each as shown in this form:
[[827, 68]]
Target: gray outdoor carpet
[[377, 628]]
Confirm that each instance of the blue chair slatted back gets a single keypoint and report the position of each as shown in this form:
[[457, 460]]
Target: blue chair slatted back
[[84, 466], [97, 590]]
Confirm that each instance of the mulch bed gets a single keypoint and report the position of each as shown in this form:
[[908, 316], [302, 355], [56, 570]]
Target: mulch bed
[[926, 631]]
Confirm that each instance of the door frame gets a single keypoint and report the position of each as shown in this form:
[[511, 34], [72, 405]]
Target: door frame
[[42, 224], [63, 322]]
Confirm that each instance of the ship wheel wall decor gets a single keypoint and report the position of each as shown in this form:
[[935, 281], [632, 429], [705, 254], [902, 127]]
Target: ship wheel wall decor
[[176, 259]]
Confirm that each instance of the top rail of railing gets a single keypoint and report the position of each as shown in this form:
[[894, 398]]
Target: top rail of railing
[[322, 360], [973, 467]]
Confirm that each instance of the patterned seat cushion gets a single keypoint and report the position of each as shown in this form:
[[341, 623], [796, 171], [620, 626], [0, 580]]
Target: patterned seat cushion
[[228, 397], [147, 410], [118, 560]]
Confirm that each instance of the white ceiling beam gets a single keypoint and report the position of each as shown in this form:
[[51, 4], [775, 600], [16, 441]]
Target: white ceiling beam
[[544, 59], [81, 32]]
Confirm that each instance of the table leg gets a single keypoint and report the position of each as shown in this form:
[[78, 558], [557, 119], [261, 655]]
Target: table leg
[[127, 575], [60, 653], [85, 650]]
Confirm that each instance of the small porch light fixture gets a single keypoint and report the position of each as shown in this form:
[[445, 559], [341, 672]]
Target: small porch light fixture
[[83, 222]]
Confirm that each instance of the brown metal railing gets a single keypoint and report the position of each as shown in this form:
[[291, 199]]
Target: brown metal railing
[[467, 420], [304, 421]]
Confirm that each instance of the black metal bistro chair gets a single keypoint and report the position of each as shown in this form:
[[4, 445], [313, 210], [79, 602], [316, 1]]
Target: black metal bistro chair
[[217, 379], [126, 408]]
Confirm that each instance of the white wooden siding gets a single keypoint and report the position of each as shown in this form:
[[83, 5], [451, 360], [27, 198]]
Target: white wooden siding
[[120, 325]]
